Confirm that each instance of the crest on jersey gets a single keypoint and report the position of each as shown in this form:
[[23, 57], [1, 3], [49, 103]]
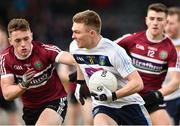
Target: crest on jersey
[[38, 65], [102, 60], [91, 59], [163, 54]]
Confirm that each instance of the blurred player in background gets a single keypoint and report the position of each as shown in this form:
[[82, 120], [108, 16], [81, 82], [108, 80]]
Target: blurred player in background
[[153, 54], [28, 70], [172, 30], [76, 113], [9, 107], [93, 52]]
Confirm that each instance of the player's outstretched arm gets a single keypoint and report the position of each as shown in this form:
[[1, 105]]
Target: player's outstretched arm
[[173, 84], [135, 84], [66, 58]]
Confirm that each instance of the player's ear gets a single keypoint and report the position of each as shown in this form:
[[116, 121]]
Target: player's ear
[[92, 32]]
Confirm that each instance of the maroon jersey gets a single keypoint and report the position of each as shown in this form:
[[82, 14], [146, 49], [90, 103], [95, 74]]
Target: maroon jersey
[[151, 59], [46, 85]]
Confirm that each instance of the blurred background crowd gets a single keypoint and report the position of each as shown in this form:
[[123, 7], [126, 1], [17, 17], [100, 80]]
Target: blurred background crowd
[[51, 19]]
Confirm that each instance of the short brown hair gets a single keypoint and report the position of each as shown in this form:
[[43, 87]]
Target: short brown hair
[[18, 24], [158, 7], [174, 11], [89, 18]]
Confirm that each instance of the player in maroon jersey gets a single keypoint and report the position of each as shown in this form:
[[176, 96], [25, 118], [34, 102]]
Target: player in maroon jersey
[[28, 70], [172, 30], [153, 54]]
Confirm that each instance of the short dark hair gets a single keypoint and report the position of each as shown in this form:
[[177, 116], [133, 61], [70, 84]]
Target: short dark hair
[[89, 18], [174, 11], [158, 7], [18, 24]]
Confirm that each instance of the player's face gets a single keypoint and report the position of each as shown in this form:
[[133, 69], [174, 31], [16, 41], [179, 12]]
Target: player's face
[[82, 35], [21, 41], [173, 26], [156, 22]]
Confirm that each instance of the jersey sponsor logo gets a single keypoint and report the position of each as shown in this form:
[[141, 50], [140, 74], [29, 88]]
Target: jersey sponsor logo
[[148, 65], [163, 54], [93, 59], [18, 67], [152, 48], [27, 65], [40, 78], [80, 59], [138, 46]]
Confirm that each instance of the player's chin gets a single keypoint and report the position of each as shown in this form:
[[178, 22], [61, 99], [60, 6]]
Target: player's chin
[[80, 46], [155, 32], [24, 54]]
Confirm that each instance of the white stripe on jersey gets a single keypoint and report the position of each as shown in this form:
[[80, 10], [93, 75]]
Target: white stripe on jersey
[[148, 59], [2, 67], [53, 48], [178, 61], [150, 72]]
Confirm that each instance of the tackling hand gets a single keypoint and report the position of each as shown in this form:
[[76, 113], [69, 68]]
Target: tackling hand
[[27, 77], [153, 97]]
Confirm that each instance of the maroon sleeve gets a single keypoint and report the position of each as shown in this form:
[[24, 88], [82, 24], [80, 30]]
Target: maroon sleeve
[[51, 51], [125, 41], [172, 60], [4, 65]]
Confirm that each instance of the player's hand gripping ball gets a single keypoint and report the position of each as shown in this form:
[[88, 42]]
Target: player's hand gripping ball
[[102, 85]]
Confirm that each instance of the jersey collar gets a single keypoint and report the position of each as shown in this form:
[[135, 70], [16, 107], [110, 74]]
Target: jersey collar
[[154, 41], [20, 58]]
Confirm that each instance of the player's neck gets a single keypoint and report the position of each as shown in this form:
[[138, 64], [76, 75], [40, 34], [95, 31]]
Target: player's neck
[[96, 40], [154, 38]]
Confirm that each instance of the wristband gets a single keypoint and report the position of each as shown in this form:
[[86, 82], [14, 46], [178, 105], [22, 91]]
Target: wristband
[[114, 96], [21, 86], [81, 82]]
